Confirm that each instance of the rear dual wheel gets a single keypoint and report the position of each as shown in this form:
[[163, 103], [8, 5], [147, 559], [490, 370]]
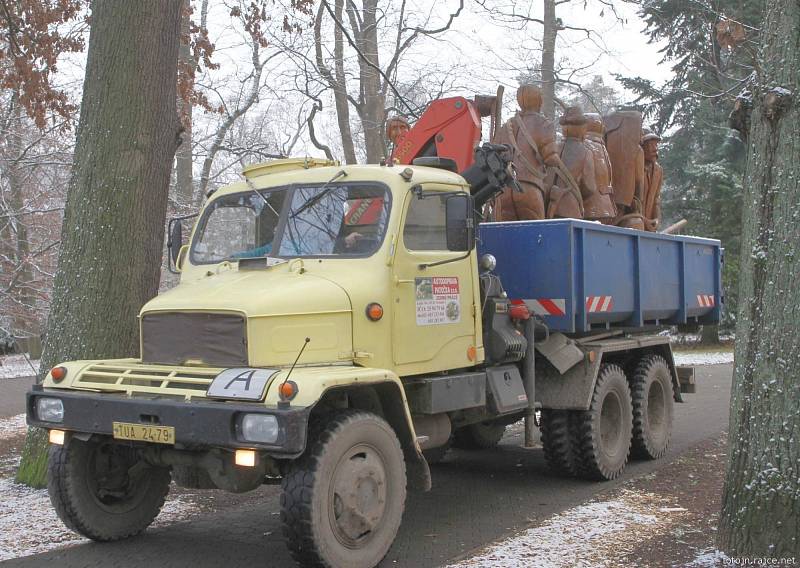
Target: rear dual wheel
[[652, 395], [602, 434], [593, 443]]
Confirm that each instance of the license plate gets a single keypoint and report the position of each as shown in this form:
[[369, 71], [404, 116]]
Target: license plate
[[144, 433]]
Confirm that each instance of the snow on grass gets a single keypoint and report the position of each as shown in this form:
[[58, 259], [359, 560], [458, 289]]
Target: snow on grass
[[12, 427], [710, 559], [583, 536], [703, 357], [29, 524], [15, 366]]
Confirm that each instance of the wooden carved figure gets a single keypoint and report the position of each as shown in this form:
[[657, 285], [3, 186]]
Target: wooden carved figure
[[599, 206], [653, 177], [532, 137], [579, 162]]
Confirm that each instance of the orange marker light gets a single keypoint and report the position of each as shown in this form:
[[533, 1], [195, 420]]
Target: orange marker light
[[58, 374], [471, 352], [288, 390], [374, 311]]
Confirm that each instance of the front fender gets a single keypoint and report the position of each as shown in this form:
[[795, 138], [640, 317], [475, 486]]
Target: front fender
[[314, 382]]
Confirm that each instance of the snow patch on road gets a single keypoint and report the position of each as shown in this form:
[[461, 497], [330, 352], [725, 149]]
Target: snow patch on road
[[29, 524], [703, 357], [583, 536], [12, 427], [16, 366]]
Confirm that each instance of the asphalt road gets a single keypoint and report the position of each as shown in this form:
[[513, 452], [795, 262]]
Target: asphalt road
[[477, 497], [12, 395]]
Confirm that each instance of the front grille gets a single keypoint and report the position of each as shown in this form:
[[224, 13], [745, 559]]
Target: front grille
[[136, 379], [218, 340]]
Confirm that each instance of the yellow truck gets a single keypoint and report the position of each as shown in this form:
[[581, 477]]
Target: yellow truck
[[334, 331]]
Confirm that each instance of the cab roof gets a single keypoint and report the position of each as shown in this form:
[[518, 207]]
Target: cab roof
[[291, 171]]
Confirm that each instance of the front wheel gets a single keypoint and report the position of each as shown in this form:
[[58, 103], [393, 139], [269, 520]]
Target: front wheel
[[343, 500], [104, 490]]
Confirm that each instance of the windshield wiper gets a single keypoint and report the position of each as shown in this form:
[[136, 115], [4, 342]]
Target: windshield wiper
[[267, 203], [323, 191]]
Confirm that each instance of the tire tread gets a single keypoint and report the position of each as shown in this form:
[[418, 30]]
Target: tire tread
[[298, 487]]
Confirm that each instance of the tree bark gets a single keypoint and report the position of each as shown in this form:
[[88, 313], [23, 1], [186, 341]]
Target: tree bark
[[184, 177], [549, 33], [374, 115], [21, 292], [709, 335], [113, 231], [761, 498], [337, 82]]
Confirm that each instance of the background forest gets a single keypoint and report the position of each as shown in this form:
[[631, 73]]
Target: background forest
[[258, 81]]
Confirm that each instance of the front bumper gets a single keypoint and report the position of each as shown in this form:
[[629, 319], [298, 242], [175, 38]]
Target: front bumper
[[198, 425]]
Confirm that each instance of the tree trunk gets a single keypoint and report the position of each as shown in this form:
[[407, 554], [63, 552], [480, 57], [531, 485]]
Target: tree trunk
[[337, 80], [709, 335], [21, 291], [761, 498], [549, 59], [373, 118], [184, 177], [113, 230]]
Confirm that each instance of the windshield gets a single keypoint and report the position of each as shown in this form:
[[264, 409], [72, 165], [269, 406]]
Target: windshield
[[331, 220]]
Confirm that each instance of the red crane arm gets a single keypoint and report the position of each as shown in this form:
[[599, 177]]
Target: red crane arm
[[449, 128]]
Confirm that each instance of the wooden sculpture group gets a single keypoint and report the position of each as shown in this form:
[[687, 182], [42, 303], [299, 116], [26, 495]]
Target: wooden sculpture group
[[603, 169]]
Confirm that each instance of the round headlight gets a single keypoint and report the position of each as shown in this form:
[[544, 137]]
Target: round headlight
[[261, 428], [49, 409]]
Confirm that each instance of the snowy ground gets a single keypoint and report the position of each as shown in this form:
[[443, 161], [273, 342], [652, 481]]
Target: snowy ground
[[584, 536], [28, 523], [12, 427], [13, 366], [703, 357]]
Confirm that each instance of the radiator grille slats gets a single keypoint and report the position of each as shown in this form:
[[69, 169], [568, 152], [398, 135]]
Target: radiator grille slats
[[148, 379]]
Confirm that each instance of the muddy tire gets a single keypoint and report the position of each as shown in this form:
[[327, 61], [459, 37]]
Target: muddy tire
[[343, 500], [480, 436], [602, 434], [651, 392], [103, 491], [559, 448]]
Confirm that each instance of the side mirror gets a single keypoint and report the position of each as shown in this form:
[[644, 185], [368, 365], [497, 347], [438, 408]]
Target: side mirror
[[460, 223], [174, 240]]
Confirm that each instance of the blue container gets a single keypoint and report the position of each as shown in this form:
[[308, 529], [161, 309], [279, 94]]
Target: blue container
[[580, 275]]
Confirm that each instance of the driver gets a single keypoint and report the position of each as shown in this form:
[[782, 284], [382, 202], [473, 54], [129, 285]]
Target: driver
[[260, 251]]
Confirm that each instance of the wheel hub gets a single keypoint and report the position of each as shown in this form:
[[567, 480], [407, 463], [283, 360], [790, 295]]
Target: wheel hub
[[611, 424], [359, 495]]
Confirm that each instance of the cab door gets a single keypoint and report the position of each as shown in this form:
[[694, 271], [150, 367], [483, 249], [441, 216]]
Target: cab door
[[433, 301]]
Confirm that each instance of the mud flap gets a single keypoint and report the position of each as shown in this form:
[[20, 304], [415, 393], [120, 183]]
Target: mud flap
[[560, 351], [686, 379]]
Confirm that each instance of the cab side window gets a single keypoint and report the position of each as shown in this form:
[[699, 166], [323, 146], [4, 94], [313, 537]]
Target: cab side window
[[425, 227]]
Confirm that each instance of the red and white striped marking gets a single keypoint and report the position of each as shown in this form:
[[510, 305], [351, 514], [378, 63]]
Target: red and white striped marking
[[599, 303], [548, 306], [705, 300]]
